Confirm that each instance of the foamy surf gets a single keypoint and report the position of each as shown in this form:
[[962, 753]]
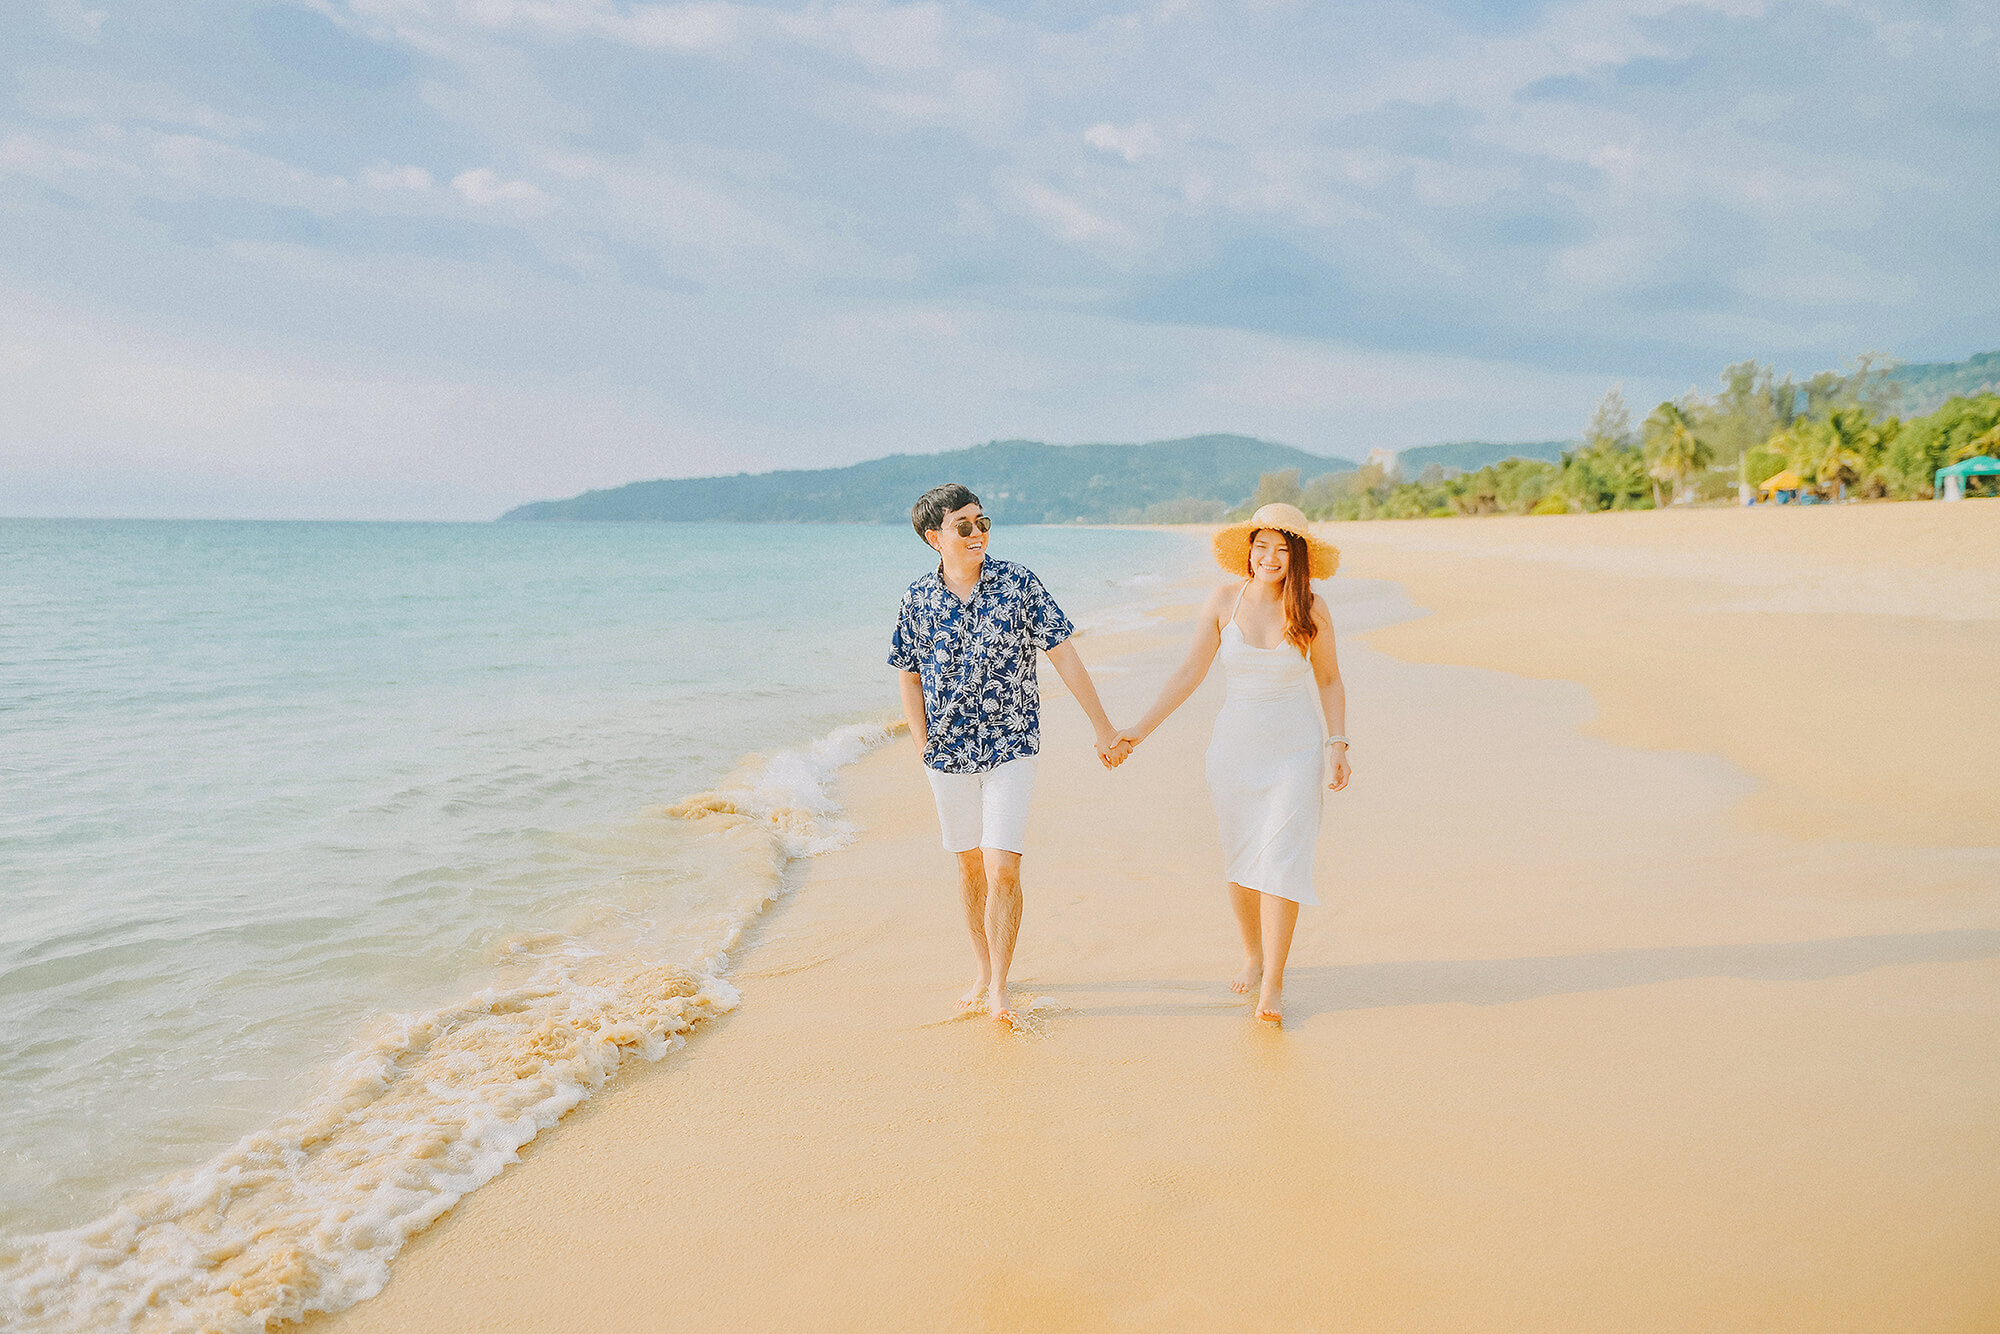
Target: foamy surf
[[308, 1213]]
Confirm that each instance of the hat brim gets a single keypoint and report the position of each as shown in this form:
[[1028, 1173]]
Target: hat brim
[[1232, 548]]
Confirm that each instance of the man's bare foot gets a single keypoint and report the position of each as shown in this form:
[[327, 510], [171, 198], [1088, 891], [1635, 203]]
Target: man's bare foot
[[974, 999], [1246, 981], [1270, 1007], [1001, 1008]]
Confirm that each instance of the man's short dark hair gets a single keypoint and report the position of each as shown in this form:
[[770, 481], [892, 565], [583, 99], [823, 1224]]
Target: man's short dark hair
[[931, 507]]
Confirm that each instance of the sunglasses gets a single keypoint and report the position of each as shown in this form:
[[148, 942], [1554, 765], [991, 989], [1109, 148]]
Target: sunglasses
[[966, 527]]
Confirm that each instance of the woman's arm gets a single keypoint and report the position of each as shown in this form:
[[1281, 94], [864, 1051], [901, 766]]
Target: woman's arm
[[1332, 691], [1189, 675]]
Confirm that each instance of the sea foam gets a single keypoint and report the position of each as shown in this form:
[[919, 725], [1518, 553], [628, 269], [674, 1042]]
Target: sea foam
[[307, 1213]]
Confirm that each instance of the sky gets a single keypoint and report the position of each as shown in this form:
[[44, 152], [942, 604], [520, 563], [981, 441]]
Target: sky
[[426, 259]]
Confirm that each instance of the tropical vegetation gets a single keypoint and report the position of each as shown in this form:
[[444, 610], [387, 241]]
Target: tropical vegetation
[[1837, 432]]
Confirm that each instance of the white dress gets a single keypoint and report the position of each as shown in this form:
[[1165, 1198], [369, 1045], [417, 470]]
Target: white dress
[[1266, 766]]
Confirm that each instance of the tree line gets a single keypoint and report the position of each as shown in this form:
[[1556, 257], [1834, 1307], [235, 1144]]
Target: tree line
[[1838, 432]]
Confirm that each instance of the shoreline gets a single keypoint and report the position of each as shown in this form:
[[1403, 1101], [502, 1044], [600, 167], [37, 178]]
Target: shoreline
[[1549, 1062], [315, 1205], [307, 1201]]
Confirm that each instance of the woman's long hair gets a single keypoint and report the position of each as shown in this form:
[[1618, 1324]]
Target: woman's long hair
[[1298, 593]]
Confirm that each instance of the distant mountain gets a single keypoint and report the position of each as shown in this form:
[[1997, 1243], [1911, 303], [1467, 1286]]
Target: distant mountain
[[1017, 481], [1472, 455], [1927, 384]]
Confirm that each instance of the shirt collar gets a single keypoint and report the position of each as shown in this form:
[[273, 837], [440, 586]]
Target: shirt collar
[[986, 576]]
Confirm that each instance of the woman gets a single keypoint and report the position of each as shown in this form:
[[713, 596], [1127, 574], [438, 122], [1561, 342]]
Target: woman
[[1271, 747]]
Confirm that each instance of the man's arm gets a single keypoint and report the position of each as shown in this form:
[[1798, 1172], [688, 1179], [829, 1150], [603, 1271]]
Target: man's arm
[[1077, 677], [913, 708]]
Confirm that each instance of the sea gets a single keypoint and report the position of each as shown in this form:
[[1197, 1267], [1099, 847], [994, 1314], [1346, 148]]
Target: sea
[[338, 860]]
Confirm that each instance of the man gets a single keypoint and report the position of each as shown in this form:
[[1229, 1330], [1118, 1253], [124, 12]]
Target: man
[[965, 644]]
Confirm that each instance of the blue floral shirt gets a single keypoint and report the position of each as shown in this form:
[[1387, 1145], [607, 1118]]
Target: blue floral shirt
[[977, 663]]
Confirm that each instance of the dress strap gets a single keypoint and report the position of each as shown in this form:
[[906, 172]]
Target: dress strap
[[1238, 603]]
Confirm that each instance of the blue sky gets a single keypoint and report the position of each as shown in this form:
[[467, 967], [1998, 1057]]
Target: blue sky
[[428, 258]]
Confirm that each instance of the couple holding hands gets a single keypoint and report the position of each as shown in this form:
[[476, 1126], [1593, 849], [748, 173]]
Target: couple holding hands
[[965, 643]]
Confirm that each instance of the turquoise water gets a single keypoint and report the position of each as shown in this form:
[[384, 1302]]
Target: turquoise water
[[268, 790]]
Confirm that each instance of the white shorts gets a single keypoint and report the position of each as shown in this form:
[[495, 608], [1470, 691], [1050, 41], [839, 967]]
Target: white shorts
[[988, 810]]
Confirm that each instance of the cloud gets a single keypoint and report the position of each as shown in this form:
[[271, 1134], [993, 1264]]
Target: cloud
[[27, 155], [484, 187], [880, 36], [886, 225], [697, 26], [1061, 215], [1130, 142], [689, 27], [71, 94], [387, 177], [73, 21]]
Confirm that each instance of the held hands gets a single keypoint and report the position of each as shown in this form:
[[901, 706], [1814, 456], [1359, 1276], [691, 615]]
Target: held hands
[[1117, 746]]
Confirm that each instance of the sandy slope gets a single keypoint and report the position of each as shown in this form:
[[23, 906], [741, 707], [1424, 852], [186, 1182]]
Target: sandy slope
[[1574, 1046]]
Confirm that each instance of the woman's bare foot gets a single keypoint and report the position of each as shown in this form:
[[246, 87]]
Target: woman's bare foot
[[975, 999], [1271, 1006], [1246, 981]]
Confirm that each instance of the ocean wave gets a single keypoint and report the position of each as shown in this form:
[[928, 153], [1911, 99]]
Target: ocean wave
[[307, 1214]]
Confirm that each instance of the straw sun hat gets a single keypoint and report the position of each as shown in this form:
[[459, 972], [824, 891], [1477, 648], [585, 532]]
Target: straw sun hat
[[1232, 544]]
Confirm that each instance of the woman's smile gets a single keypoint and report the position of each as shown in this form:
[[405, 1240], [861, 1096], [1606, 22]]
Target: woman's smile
[[1270, 557]]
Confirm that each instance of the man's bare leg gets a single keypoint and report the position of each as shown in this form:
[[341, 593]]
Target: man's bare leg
[[1003, 925], [1280, 916], [1244, 903], [972, 894]]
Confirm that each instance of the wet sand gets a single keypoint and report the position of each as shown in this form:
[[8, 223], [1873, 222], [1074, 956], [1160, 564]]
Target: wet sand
[[1608, 1023]]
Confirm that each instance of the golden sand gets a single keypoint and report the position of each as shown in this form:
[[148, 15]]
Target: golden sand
[[1618, 1018], [1846, 658]]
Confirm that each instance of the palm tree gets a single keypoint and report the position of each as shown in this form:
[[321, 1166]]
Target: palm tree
[[1676, 452], [1835, 450], [1972, 449]]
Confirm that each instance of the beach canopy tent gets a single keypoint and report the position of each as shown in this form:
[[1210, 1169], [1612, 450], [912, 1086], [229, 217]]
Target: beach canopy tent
[[1784, 481], [1950, 482]]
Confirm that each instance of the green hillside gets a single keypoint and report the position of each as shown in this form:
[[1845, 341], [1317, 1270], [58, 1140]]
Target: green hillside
[[1018, 481], [1471, 455], [1927, 384]]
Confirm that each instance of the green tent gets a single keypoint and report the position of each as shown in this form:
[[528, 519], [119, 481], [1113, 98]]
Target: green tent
[[1949, 483]]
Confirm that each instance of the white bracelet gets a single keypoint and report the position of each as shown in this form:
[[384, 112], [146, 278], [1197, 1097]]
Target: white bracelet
[[1342, 740]]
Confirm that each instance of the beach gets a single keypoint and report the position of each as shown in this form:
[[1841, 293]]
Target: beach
[[1656, 988], [343, 859]]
